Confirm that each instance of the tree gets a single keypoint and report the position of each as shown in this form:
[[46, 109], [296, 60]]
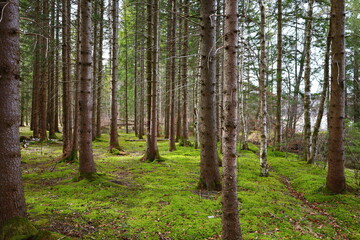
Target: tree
[[230, 212], [11, 189], [100, 70], [86, 159], [209, 170], [172, 119], [114, 142], [264, 166], [278, 77], [335, 180], [307, 83], [152, 55]]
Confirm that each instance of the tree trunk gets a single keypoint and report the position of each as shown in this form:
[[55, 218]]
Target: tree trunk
[[356, 89], [11, 190], [230, 212], [100, 70], [126, 72], [335, 180], [307, 73], [142, 79], [152, 152], [66, 45], [209, 170], [322, 100], [114, 142], [185, 50], [172, 119], [87, 165], [264, 166], [136, 80], [51, 94], [278, 134], [95, 67]]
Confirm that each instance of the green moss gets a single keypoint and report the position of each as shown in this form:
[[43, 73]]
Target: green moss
[[17, 228]]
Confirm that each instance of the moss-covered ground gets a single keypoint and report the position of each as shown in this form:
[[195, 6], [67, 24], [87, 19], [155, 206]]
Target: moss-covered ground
[[140, 200]]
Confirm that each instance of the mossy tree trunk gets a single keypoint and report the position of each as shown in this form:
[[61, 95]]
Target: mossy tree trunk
[[11, 188]]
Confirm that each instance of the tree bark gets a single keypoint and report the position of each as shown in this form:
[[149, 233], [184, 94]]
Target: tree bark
[[11, 189], [209, 170], [66, 102], [172, 119], [264, 166], [230, 213], [185, 50], [114, 141], [335, 180], [100, 70], [307, 73], [95, 67], [87, 165], [278, 134]]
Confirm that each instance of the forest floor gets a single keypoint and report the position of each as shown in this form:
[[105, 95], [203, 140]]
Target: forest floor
[[138, 200]]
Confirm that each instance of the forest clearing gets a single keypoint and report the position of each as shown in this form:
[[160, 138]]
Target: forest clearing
[[132, 199]]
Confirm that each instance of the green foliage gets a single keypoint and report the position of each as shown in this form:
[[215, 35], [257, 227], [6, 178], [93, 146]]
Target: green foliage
[[159, 200]]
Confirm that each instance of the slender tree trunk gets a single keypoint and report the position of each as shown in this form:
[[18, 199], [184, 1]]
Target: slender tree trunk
[[114, 142], [142, 79], [264, 166], [356, 89], [136, 80], [126, 72], [168, 71], [278, 134], [185, 50], [179, 82], [335, 180], [172, 126], [100, 70], [307, 73], [209, 170], [75, 136], [51, 94], [322, 100], [95, 67], [57, 67], [66, 46], [11, 190], [230, 213]]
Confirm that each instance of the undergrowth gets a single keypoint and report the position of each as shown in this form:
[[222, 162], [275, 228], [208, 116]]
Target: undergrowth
[[139, 200]]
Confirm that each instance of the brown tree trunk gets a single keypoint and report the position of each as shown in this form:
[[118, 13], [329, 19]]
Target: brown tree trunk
[[264, 166], [278, 134], [86, 159], [209, 170], [100, 70], [126, 72], [136, 78], [179, 82], [172, 119], [307, 94], [230, 212], [335, 180], [114, 142], [185, 50], [51, 96], [142, 80], [11, 189], [95, 67], [66, 102]]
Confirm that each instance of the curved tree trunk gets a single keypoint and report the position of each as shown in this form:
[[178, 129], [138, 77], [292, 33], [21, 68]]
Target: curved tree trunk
[[11, 189], [230, 212], [209, 170]]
